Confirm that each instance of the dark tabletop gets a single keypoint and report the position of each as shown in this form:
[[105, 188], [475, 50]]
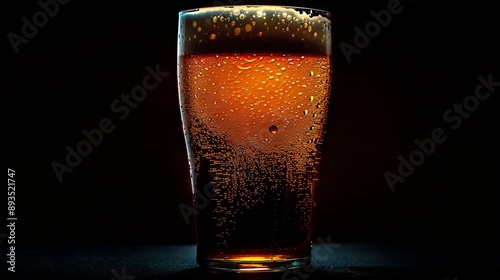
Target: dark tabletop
[[344, 261]]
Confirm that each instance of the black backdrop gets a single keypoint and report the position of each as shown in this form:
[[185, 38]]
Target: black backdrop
[[128, 189]]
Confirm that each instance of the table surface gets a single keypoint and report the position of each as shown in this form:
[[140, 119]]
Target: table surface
[[345, 261]]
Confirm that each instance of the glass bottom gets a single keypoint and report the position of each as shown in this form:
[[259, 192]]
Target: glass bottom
[[253, 264]]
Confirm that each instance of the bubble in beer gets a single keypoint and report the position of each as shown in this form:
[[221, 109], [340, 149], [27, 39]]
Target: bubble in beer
[[273, 129], [248, 27]]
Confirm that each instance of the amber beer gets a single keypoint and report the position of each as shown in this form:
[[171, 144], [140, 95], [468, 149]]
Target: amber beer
[[254, 86]]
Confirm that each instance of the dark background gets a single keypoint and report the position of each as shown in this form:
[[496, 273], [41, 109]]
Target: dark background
[[127, 191]]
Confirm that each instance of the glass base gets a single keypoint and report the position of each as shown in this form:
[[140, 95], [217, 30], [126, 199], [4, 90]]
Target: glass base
[[253, 264]]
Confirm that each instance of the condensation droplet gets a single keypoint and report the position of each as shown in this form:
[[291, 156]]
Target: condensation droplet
[[306, 112], [242, 16], [195, 96], [194, 24], [199, 29], [237, 31], [248, 27], [212, 36], [311, 98], [283, 68], [233, 23], [214, 19], [244, 67], [259, 13], [315, 34], [315, 115], [311, 73], [309, 28], [273, 129], [260, 33]]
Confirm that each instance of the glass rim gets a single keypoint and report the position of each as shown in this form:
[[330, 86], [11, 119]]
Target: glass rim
[[299, 8]]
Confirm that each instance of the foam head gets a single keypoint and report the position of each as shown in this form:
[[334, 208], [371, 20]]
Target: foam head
[[255, 29]]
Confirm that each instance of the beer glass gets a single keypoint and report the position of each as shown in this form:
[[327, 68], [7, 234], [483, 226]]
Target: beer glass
[[254, 87]]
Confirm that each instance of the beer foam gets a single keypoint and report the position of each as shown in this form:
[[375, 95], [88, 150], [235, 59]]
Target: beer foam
[[214, 29]]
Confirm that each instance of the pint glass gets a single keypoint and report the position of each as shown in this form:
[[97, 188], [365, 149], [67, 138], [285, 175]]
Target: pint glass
[[254, 87]]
